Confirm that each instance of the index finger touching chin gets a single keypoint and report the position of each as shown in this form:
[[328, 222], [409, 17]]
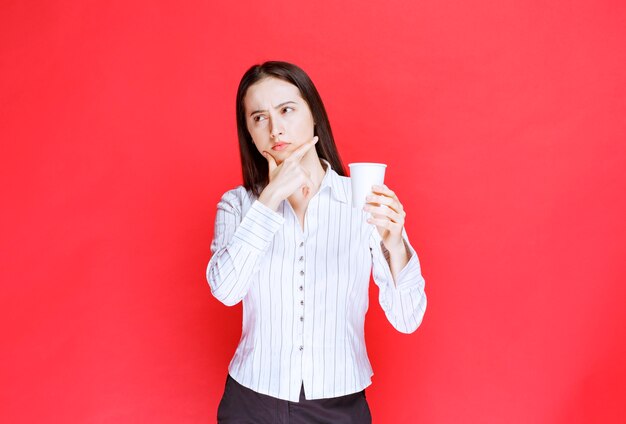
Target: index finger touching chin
[[302, 150]]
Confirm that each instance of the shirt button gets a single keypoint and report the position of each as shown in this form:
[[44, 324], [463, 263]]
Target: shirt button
[[301, 319], [301, 243], [302, 302], [301, 272], [301, 348], [301, 258], [301, 288]]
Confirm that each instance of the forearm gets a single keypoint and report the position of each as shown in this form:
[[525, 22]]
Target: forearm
[[403, 300], [237, 248], [397, 273], [397, 258], [230, 271]]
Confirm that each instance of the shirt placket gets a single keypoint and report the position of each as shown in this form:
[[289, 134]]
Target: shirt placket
[[299, 298], [306, 289]]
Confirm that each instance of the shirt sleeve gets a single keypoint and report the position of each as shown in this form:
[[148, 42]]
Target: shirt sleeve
[[404, 301], [239, 242]]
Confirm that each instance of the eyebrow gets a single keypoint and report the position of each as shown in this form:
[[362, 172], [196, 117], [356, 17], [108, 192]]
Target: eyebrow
[[277, 107]]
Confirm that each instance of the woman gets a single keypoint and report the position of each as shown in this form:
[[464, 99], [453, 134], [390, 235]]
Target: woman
[[291, 246]]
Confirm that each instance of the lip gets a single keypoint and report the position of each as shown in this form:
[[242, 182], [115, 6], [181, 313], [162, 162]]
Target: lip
[[281, 145]]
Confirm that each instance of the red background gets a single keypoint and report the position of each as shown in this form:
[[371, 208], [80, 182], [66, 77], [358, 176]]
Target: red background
[[503, 124]]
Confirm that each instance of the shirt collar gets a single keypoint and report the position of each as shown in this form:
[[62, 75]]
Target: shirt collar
[[332, 180]]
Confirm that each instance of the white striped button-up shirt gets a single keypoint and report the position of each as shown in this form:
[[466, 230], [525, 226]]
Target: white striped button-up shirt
[[305, 292]]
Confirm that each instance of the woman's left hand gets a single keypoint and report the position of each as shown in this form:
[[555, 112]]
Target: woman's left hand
[[387, 214]]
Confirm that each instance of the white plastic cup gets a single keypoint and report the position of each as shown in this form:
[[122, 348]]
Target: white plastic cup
[[364, 175]]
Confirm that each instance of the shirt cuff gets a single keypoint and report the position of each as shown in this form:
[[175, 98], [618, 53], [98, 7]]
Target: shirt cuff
[[258, 227]]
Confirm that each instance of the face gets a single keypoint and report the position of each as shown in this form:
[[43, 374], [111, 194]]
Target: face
[[278, 118]]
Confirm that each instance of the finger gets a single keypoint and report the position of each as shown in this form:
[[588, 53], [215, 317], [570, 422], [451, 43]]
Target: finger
[[384, 190], [302, 150], [385, 212], [381, 223], [376, 200], [271, 162], [379, 200]]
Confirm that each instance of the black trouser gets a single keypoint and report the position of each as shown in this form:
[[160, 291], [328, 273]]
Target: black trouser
[[240, 405]]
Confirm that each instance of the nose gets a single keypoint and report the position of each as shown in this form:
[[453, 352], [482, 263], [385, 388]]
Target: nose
[[276, 128]]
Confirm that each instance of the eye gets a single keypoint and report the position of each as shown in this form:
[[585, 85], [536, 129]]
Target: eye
[[258, 118], [287, 109]]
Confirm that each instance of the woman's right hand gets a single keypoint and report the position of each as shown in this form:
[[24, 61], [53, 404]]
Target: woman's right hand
[[288, 177]]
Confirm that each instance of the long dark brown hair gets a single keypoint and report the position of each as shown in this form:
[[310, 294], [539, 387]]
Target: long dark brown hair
[[253, 165]]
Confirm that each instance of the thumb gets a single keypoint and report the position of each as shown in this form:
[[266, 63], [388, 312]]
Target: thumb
[[271, 163]]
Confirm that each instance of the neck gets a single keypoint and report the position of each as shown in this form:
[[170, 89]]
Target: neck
[[313, 164]]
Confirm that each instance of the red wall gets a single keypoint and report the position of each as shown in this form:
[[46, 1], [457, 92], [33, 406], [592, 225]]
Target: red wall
[[503, 124]]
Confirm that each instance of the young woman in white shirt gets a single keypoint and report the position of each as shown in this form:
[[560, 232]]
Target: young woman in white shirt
[[289, 244]]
